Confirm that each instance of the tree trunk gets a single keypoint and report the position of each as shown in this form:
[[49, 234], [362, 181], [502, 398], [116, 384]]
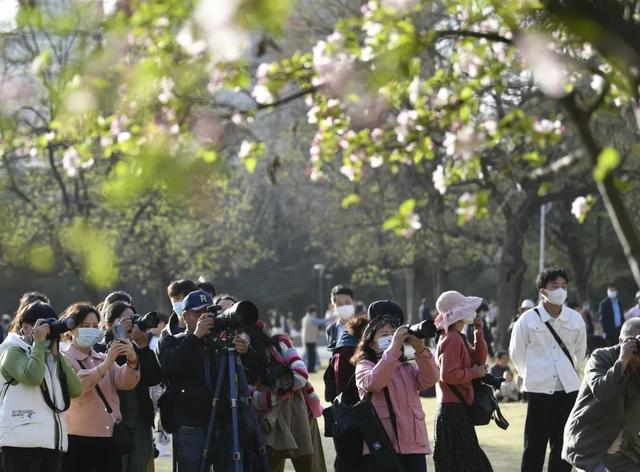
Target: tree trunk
[[511, 271], [571, 238]]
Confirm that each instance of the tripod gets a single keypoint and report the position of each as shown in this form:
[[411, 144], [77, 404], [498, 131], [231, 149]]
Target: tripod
[[230, 363]]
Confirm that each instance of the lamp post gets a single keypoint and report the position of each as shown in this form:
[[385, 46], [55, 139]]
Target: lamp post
[[319, 269], [544, 209]]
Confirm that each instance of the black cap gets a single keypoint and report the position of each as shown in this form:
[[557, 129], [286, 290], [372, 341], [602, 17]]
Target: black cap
[[386, 307], [36, 311]]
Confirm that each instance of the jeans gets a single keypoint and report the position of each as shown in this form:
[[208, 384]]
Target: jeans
[[189, 444]]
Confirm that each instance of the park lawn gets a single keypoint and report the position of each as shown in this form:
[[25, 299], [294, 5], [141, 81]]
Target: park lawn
[[503, 448]]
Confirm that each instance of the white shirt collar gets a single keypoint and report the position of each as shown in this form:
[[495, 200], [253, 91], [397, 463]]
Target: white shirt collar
[[564, 314]]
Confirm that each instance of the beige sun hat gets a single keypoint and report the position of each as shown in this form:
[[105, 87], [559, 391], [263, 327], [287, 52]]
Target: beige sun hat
[[452, 306]]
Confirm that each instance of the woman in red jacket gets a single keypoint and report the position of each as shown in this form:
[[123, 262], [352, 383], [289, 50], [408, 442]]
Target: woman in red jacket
[[380, 365], [456, 444]]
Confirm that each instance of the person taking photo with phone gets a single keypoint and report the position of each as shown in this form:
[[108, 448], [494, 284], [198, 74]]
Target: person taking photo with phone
[[94, 417]]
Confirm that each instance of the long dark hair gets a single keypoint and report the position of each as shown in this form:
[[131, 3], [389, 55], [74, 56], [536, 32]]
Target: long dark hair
[[258, 366], [364, 351]]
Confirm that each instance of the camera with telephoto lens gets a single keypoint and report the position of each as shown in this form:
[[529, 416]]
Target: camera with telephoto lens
[[242, 314], [146, 322], [492, 381], [58, 327], [422, 330]]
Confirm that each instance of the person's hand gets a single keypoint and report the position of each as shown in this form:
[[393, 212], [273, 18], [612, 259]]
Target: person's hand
[[40, 330], [628, 348], [129, 351], [480, 371], [400, 336], [241, 344], [139, 337], [116, 349], [417, 343], [205, 324], [478, 323]]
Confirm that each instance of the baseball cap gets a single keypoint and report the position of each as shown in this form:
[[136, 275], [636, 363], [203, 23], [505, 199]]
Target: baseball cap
[[197, 300], [386, 307]]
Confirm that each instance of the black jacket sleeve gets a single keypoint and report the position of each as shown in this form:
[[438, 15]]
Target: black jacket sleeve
[[176, 352], [150, 372]]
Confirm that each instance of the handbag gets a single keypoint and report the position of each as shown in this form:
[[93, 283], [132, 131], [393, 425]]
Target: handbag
[[341, 421], [123, 439], [166, 405], [383, 455]]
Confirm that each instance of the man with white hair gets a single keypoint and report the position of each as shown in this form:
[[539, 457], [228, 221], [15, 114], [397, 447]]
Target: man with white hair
[[548, 345], [634, 312], [602, 431]]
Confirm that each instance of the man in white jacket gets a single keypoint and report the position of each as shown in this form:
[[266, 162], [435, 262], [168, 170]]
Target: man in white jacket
[[548, 345]]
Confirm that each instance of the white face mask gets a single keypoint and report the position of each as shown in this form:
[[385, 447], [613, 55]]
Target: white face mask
[[384, 342], [88, 337], [612, 293], [177, 307], [345, 312], [557, 296]]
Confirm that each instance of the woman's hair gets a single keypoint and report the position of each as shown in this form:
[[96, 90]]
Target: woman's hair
[[260, 342], [115, 310], [30, 314], [118, 296], [364, 351], [79, 311], [355, 326], [224, 296]]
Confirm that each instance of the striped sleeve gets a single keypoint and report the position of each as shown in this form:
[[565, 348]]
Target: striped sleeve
[[294, 361]]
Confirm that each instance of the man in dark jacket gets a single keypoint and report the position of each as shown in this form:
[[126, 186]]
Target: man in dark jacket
[[190, 368], [611, 315], [602, 431]]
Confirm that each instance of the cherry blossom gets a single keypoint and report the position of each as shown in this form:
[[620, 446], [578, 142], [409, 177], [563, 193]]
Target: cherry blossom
[[549, 70], [71, 160], [439, 180], [579, 208]]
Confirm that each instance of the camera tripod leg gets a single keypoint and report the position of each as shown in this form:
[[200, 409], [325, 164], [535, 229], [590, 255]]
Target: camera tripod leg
[[222, 368], [233, 397], [244, 392]]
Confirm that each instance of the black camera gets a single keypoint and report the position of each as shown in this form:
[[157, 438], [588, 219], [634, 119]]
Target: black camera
[[146, 322], [58, 327], [492, 381], [422, 330], [242, 314]]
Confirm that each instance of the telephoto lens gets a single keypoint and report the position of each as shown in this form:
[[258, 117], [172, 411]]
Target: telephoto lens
[[58, 327], [242, 314], [422, 330], [146, 322]]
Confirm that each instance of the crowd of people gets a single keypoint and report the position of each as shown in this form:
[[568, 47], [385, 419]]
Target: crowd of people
[[83, 390]]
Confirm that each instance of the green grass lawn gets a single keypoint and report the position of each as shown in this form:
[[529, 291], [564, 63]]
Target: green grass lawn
[[503, 448]]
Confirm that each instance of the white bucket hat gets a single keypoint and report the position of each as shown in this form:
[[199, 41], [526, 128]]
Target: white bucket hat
[[452, 306]]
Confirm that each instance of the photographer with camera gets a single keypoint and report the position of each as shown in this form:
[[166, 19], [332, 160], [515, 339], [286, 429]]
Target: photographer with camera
[[602, 431], [37, 385], [286, 401], [190, 368], [136, 405], [97, 435], [456, 443], [395, 384]]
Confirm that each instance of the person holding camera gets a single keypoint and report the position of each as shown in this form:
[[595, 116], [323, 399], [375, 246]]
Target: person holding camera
[[190, 369], [548, 345], [456, 443], [95, 421], [395, 384], [136, 405], [37, 385], [602, 432], [287, 404]]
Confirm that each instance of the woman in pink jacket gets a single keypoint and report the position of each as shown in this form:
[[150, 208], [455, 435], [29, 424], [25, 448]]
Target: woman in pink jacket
[[457, 448], [381, 365]]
